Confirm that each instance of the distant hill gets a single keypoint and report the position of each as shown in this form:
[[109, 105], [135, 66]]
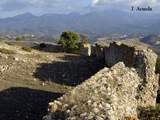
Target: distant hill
[[94, 24], [150, 39]]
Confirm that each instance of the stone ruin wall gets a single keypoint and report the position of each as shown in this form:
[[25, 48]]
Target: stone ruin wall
[[143, 59], [116, 92]]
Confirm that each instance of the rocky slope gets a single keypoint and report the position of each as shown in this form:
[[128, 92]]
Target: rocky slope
[[31, 79]]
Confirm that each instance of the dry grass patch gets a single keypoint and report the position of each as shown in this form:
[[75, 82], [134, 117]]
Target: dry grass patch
[[27, 49], [7, 51], [10, 43]]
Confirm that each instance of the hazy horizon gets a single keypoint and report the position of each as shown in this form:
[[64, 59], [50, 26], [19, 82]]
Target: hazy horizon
[[92, 17]]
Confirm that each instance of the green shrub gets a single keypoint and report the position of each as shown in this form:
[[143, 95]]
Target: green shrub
[[27, 49], [6, 51], [42, 45], [150, 113], [158, 65], [69, 39], [20, 38]]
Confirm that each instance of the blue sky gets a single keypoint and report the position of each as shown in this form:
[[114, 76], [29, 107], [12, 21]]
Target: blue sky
[[10, 8]]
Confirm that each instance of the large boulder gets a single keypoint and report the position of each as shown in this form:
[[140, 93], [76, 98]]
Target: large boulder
[[113, 93]]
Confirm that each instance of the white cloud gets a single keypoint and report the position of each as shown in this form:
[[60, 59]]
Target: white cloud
[[95, 2], [126, 2], [144, 2], [38, 7]]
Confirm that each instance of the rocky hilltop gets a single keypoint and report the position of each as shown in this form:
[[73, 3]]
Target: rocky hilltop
[[31, 77], [127, 83]]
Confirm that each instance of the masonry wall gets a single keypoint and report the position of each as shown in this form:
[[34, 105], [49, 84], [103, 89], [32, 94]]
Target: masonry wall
[[114, 54], [113, 93], [143, 60]]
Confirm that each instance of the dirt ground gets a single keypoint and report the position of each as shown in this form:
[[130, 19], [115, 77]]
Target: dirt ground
[[30, 80]]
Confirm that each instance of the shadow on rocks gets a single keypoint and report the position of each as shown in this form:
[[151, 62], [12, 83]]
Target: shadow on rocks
[[24, 104], [48, 47], [72, 70]]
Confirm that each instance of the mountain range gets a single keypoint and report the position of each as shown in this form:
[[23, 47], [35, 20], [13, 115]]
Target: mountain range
[[95, 24]]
